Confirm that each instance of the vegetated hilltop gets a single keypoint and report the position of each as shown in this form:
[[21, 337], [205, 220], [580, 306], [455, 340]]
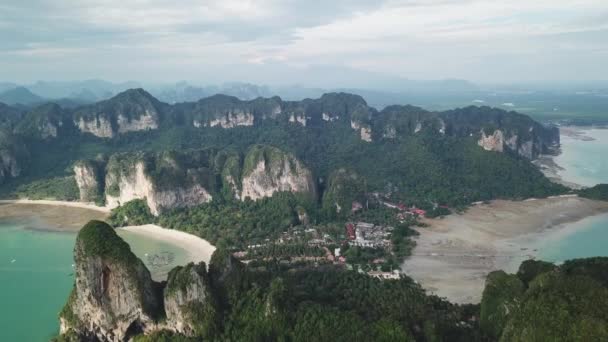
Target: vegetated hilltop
[[114, 299], [544, 302], [453, 157]]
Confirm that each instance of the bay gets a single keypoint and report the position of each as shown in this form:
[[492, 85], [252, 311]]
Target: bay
[[36, 274]]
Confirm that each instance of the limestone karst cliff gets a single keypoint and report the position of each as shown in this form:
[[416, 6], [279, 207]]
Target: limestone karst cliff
[[189, 301], [268, 170], [13, 155], [136, 110], [501, 131], [132, 110], [90, 180], [114, 297], [165, 180], [168, 180]]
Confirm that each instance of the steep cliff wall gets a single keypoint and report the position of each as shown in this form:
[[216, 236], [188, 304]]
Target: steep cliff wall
[[90, 180], [494, 142], [189, 303], [13, 154], [499, 130], [45, 121], [160, 179], [132, 110], [114, 296], [267, 170], [167, 180]]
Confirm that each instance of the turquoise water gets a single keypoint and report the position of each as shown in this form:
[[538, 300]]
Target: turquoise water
[[586, 238], [36, 276], [35, 280], [585, 162]]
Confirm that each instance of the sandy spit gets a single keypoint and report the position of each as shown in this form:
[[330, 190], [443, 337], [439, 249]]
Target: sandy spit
[[197, 248], [454, 255]]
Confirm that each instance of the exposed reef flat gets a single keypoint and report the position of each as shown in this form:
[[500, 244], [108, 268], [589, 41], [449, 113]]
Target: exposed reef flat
[[454, 255], [52, 215]]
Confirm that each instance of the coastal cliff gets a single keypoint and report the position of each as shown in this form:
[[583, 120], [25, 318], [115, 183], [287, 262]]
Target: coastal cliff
[[501, 131], [168, 180], [114, 297], [165, 180], [89, 179], [189, 302]]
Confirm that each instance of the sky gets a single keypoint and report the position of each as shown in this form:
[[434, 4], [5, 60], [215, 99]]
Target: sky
[[308, 42]]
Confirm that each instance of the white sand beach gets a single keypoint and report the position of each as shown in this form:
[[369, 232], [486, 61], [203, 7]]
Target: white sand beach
[[71, 216], [197, 248], [454, 254]]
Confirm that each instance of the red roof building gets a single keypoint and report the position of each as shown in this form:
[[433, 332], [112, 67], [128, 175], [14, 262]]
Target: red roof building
[[350, 231]]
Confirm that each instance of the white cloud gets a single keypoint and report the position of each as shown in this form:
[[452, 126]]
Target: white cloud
[[476, 39]]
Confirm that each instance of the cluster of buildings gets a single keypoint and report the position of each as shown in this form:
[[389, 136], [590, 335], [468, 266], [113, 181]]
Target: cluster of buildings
[[363, 234], [359, 234], [405, 211]]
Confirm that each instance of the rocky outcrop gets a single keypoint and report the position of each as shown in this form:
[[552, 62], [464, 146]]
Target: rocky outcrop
[[13, 155], [168, 180], [130, 111], [130, 177], [188, 300], [232, 120], [115, 299], [9, 167], [114, 296], [298, 118], [44, 122], [494, 142], [268, 170], [98, 126], [89, 178], [502, 131], [144, 122], [365, 132]]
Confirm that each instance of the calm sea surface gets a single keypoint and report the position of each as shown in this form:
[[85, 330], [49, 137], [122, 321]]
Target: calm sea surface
[[584, 163], [36, 276]]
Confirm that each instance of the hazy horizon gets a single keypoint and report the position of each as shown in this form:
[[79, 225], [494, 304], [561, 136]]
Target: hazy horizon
[[313, 43]]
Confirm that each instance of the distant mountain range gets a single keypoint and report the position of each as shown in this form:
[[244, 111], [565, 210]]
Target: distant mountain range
[[582, 102]]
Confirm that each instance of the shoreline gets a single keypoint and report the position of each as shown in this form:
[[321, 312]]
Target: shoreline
[[80, 205], [55, 216], [548, 163], [454, 255], [63, 216], [197, 248]]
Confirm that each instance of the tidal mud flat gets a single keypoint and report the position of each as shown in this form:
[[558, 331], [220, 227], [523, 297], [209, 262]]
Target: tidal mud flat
[[453, 255], [50, 215]]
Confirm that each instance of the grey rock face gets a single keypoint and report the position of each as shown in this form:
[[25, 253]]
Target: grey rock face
[[114, 296]]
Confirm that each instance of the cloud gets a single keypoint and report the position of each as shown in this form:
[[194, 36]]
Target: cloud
[[475, 39]]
